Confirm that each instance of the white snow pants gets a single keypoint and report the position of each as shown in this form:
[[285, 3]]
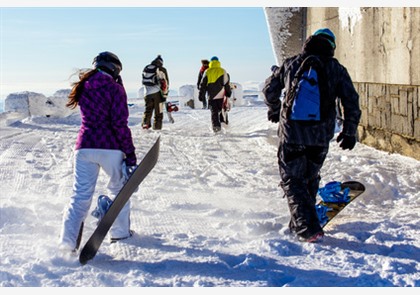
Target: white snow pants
[[87, 164]]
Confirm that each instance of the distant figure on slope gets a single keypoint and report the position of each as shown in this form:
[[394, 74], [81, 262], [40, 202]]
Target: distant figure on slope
[[303, 145], [204, 67], [215, 82], [226, 105], [104, 142], [156, 81]]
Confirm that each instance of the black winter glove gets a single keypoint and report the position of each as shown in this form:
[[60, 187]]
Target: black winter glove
[[273, 116], [127, 171], [130, 159], [347, 141]]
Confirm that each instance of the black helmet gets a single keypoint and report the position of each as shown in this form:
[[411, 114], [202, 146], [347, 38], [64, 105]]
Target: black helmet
[[108, 62]]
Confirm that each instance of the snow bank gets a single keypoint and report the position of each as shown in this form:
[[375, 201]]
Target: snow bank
[[188, 96], [30, 104], [19, 102]]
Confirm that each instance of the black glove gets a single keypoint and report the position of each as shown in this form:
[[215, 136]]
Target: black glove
[[130, 159], [129, 170], [347, 141], [129, 165], [273, 116]]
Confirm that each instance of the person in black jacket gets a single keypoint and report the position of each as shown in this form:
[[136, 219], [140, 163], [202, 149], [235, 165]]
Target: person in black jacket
[[303, 145]]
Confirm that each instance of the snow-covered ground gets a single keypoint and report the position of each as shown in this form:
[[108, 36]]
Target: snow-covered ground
[[209, 214]]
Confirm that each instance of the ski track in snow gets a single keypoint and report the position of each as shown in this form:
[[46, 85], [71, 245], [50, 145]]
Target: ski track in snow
[[209, 214]]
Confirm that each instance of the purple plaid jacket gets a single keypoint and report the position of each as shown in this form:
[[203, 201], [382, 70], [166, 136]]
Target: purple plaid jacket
[[104, 113]]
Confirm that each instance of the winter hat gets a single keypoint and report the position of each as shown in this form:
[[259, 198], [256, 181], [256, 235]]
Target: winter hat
[[205, 61], [214, 58], [327, 34], [158, 60]]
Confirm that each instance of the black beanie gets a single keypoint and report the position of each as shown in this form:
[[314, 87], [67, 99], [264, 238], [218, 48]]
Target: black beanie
[[158, 61]]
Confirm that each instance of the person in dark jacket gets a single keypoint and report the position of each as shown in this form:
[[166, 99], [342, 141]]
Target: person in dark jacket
[[303, 146], [156, 82], [204, 67], [104, 142], [216, 84]]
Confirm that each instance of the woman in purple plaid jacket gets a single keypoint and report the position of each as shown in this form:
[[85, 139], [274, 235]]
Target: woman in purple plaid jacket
[[104, 142]]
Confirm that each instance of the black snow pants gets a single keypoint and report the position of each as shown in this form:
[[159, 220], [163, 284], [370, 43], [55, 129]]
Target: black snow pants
[[300, 167], [216, 108]]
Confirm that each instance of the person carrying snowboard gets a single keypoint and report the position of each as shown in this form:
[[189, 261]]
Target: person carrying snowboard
[[215, 82], [226, 106], [303, 145], [104, 142], [156, 81]]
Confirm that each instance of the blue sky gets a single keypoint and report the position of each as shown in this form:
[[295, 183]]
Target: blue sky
[[41, 47]]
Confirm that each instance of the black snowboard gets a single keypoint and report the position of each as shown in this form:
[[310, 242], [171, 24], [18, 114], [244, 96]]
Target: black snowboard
[[356, 189], [142, 170]]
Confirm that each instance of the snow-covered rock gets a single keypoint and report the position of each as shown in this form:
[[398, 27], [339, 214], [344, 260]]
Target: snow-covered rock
[[30, 104], [188, 95]]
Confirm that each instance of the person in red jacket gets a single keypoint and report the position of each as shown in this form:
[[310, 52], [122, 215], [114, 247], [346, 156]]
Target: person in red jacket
[[204, 66], [104, 142]]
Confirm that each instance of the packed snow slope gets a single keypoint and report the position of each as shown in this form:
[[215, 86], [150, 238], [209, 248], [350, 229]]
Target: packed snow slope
[[210, 213]]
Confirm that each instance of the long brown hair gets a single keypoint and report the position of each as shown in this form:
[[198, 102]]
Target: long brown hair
[[77, 89]]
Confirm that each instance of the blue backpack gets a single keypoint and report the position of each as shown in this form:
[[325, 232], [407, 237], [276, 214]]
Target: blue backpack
[[304, 97]]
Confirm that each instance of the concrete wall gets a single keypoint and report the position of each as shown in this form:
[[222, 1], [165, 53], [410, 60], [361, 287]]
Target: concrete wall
[[377, 45], [380, 47], [390, 117]]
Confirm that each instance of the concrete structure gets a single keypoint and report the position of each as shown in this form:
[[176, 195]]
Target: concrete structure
[[380, 47]]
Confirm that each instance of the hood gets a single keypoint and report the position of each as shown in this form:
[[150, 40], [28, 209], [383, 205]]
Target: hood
[[214, 71], [99, 80], [214, 64], [317, 45]]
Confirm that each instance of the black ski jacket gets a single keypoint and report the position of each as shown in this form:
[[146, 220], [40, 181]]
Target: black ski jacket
[[340, 87]]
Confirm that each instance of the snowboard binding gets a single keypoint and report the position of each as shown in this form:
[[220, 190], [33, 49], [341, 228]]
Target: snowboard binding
[[321, 212], [333, 193], [104, 202]]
